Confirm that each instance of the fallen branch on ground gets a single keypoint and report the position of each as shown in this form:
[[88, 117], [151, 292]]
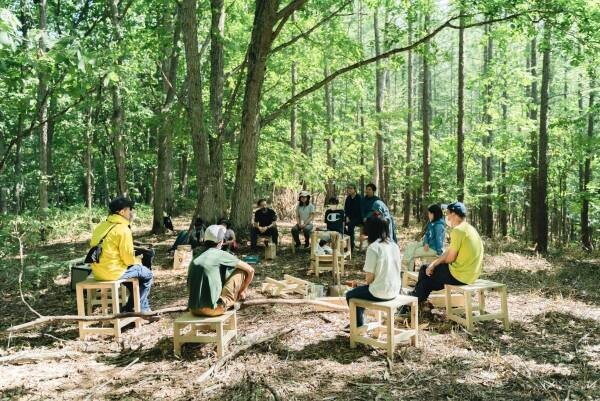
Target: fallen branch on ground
[[156, 314], [219, 364], [34, 356]]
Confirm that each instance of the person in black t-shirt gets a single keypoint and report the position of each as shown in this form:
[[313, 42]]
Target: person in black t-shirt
[[264, 223], [353, 210], [334, 216]]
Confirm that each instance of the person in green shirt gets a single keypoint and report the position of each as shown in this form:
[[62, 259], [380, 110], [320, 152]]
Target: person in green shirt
[[216, 279], [460, 264]]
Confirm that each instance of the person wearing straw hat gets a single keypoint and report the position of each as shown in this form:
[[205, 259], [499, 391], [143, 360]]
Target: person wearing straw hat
[[305, 212]]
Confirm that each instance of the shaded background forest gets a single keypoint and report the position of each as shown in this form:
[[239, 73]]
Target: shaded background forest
[[207, 106]]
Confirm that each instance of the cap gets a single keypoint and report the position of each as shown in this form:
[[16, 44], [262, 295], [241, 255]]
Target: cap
[[214, 233], [457, 207], [304, 193], [120, 203]]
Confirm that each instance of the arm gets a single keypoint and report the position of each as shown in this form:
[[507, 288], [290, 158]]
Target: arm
[[447, 257], [438, 237], [311, 216], [126, 250], [369, 277], [298, 216], [246, 268]]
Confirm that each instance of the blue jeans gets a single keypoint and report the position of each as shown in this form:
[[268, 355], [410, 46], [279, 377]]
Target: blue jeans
[[361, 292], [144, 276]]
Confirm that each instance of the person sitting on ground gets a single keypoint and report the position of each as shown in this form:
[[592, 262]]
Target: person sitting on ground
[[264, 224], [305, 212], [353, 211], [380, 209], [460, 264], [433, 241], [216, 279], [382, 267], [117, 260], [229, 242], [193, 237]]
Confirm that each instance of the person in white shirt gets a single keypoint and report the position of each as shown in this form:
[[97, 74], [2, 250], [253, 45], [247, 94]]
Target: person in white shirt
[[305, 212], [382, 267]]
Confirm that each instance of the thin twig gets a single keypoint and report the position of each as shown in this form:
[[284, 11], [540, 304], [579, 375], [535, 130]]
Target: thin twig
[[19, 238]]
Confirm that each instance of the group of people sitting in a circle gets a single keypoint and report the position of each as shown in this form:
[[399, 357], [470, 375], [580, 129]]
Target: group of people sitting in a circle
[[217, 279]]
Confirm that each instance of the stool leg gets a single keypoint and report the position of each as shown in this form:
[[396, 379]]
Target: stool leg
[[176, 343], [115, 309], [390, 332], [89, 300], [104, 301], [136, 296], [316, 266], [352, 324], [414, 322], [220, 345], [80, 309], [504, 307], [468, 310], [481, 302], [448, 301]]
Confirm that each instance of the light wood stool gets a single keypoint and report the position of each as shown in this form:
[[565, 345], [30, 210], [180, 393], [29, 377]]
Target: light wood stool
[[109, 304], [225, 327], [437, 298], [480, 287], [393, 336], [340, 245]]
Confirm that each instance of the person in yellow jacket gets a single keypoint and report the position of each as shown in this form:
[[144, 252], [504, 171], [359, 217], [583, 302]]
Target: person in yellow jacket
[[118, 261], [462, 263]]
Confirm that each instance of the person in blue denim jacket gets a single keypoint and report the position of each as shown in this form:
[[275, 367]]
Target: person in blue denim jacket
[[433, 241]]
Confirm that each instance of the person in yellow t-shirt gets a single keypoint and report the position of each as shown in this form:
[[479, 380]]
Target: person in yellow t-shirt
[[117, 260], [460, 264]]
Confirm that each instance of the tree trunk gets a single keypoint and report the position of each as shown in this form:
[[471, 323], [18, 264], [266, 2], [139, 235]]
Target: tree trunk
[[293, 113], [487, 212], [542, 190], [502, 210], [586, 231], [87, 161], [460, 133], [265, 17], [533, 142], [379, 175], [117, 117], [426, 112], [42, 107], [329, 190], [409, 129], [362, 145], [168, 74], [183, 174], [189, 26]]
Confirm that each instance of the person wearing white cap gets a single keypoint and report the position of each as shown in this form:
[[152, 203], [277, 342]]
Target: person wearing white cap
[[216, 279], [305, 212]]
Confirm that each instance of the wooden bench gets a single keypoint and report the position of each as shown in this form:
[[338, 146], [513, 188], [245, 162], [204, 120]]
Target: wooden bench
[[466, 291], [87, 292], [437, 298], [187, 328], [393, 336]]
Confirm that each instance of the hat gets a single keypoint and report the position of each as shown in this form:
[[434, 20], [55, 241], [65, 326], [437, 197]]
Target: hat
[[304, 193], [214, 233], [457, 207], [120, 203]]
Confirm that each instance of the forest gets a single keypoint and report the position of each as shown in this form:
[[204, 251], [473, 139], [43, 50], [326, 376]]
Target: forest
[[198, 109]]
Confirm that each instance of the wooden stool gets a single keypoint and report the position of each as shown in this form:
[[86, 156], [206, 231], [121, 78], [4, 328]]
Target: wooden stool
[[109, 304], [225, 327], [393, 335], [320, 263], [481, 287]]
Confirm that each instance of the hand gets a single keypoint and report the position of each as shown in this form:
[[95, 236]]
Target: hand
[[242, 295], [261, 229], [429, 270], [426, 248]]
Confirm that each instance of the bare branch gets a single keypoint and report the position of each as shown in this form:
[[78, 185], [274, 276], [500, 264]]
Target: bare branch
[[448, 23], [305, 34], [288, 10]]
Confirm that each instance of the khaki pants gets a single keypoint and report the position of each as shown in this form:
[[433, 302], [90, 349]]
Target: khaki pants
[[412, 251], [229, 295]]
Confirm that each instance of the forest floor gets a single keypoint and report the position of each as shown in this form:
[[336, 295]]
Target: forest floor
[[552, 350]]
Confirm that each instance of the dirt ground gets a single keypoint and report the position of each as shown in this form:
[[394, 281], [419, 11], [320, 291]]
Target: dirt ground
[[551, 352]]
